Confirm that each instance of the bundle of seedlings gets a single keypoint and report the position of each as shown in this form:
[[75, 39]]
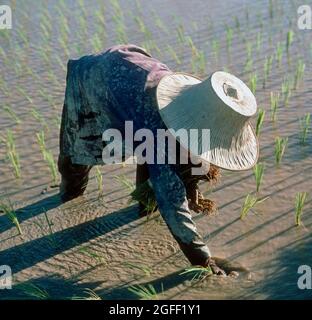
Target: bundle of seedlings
[[144, 193]]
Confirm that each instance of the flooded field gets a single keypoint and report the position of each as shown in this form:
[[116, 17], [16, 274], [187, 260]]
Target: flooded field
[[96, 246]]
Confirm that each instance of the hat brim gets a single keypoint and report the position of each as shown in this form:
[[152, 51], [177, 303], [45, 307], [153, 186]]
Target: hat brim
[[236, 154]]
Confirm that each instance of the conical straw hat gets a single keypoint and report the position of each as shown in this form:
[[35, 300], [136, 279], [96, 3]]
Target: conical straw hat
[[221, 103]]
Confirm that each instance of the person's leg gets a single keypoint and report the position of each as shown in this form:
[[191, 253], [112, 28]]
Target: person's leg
[[74, 178]]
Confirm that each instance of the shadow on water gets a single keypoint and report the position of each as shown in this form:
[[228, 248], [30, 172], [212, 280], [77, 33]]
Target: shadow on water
[[31, 211], [28, 254], [58, 288], [281, 283]]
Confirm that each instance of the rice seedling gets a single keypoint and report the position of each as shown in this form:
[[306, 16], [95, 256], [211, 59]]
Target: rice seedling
[[274, 101], [299, 73], [144, 292], [48, 156], [253, 83], [267, 67], [41, 142], [92, 254], [260, 120], [199, 63], [12, 154], [299, 204], [99, 179], [37, 116], [216, 48], [12, 114], [146, 270], [89, 295], [159, 23], [229, 37], [8, 209], [279, 53], [286, 91], [249, 62], [25, 95], [181, 34], [173, 53], [125, 182], [50, 236], [289, 40], [200, 273], [249, 204], [258, 173], [305, 123], [144, 194], [34, 291], [190, 42], [280, 147]]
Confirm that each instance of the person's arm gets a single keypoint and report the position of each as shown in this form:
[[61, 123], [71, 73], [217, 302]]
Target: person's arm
[[171, 199]]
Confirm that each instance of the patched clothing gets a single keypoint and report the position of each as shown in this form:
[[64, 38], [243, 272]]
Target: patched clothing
[[104, 91]]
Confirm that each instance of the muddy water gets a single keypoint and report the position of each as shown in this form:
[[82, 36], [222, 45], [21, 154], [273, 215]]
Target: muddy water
[[98, 242]]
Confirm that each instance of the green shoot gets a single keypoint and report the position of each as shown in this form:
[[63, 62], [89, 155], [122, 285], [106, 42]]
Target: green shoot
[[279, 53], [85, 250], [144, 292], [304, 126], [48, 156], [12, 114], [299, 204], [253, 83], [144, 194], [260, 120], [126, 182], [299, 73], [229, 37], [258, 173], [267, 67], [12, 154], [274, 100], [286, 91], [8, 210], [289, 39], [173, 54], [200, 273], [41, 141], [89, 295], [37, 116], [280, 147], [215, 49], [33, 291], [249, 203], [146, 270]]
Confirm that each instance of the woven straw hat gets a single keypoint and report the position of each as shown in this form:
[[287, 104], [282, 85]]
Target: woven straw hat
[[221, 103]]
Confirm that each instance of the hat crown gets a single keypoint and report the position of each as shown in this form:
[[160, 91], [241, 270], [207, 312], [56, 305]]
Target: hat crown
[[233, 92]]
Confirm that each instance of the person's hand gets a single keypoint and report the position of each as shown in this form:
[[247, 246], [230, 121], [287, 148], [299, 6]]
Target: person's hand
[[215, 268], [199, 204]]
